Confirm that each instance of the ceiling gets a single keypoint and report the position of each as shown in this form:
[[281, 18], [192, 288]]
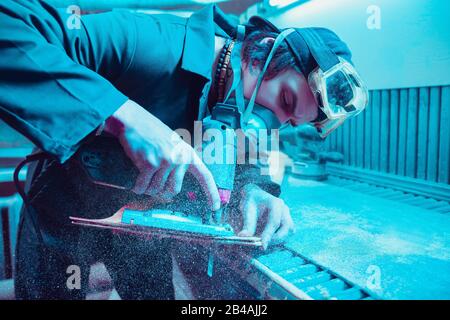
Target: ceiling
[[229, 6]]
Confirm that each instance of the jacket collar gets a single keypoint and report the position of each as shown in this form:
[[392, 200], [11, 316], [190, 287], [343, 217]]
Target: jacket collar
[[198, 51]]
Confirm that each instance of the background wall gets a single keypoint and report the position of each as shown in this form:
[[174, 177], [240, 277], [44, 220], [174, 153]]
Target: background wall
[[411, 48], [403, 132], [406, 63]]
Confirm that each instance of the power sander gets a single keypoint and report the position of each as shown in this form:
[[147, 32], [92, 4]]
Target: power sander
[[105, 163]]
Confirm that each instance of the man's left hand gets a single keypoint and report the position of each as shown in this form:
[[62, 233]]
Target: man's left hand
[[261, 208]]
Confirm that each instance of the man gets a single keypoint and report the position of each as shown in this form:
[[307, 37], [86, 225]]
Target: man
[[137, 77]]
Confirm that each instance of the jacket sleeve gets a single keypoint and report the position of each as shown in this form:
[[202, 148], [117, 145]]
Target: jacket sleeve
[[56, 76]]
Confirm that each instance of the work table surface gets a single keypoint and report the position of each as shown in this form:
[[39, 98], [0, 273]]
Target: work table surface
[[361, 237]]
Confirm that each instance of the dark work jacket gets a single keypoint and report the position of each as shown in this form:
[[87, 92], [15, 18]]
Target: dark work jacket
[[59, 84]]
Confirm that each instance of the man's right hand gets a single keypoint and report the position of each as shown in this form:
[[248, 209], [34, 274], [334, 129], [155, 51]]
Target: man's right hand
[[159, 153]]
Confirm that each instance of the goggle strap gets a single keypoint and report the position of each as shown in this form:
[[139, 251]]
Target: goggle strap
[[325, 58], [275, 46], [298, 47]]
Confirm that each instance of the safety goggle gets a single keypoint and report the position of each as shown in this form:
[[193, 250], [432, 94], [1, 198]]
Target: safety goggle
[[340, 94]]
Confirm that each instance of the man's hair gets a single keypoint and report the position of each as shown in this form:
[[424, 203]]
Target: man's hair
[[256, 52]]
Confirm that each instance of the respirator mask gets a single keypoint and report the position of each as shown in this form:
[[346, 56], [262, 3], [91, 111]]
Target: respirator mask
[[339, 91], [237, 112]]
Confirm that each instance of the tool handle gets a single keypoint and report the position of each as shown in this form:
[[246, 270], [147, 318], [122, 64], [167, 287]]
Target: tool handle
[[105, 162]]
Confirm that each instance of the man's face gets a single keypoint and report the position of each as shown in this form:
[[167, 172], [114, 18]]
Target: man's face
[[287, 94]]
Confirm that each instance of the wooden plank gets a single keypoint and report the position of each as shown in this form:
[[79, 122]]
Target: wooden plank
[[341, 140], [375, 133], [360, 139], [384, 128], [351, 145], [345, 141], [402, 132], [330, 143], [433, 134], [334, 141], [368, 132], [326, 144], [422, 132], [353, 136], [444, 136], [337, 140], [411, 134], [393, 130], [332, 137]]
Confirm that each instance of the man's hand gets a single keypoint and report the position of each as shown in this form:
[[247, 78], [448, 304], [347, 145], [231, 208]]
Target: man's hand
[[160, 154], [258, 206]]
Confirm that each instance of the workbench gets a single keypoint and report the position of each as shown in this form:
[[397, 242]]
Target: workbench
[[363, 237]]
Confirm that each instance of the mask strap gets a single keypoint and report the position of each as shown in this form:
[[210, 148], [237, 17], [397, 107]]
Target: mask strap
[[236, 66], [276, 44]]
